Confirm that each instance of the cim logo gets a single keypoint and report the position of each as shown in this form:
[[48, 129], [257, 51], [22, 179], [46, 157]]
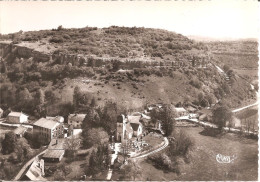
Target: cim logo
[[225, 159]]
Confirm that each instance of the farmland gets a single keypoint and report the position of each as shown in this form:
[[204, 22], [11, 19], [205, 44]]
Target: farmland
[[203, 165]]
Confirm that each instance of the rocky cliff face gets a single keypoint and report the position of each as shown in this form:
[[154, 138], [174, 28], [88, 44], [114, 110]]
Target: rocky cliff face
[[22, 52], [25, 52]]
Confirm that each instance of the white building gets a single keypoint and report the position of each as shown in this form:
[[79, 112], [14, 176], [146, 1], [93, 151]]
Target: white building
[[181, 111], [17, 117]]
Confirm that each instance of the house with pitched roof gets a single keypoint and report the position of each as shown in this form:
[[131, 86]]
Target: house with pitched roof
[[56, 150], [129, 127], [35, 171], [20, 131], [181, 111], [17, 117], [48, 129], [76, 120]]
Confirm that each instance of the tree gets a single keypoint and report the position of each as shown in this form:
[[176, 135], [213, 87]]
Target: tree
[[72, 145], [40, 97], [92, 119], [93, 102], [200, 96], [99, 160], [226, 68], [221, 115], [155, 115], [24, 95], [116, 65], [59, 28], [109, 116], [50, 96], [131, 171], [9, 143], [210, 99], [166, 116], [62, 172], [94, 137], [76, 96]]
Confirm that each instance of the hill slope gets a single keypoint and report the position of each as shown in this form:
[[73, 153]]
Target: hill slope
[[130, 66]]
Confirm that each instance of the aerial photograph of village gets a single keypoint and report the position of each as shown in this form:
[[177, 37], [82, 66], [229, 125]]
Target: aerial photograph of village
[[129, 90]]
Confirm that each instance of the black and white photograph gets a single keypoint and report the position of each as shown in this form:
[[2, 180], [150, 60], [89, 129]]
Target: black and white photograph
[[137, 90]]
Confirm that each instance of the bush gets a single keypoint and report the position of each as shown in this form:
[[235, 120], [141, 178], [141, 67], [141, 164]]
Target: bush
[[56, 39], [164, 162], [181, 145], [196, 83]]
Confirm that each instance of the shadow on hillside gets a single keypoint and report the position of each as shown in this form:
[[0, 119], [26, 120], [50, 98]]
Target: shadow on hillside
[[213, 132]]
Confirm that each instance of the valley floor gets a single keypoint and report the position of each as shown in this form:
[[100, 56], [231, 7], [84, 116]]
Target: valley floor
[[203, 164]]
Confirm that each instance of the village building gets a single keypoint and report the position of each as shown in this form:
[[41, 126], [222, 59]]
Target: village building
[[68, 130], [129, 127], [181, 111], [35, 172], [48, 129], [1, 113], [76, 120], [56, 150], [234, 122], [20, 131], [17, 117]]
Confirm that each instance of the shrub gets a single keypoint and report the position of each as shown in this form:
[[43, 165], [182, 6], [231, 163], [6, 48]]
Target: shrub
[[181, 145], [164, 162], [56, 39], [196, 83]]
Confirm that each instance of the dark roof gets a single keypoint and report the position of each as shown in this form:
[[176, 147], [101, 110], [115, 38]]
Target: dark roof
[[57, 144], [135, 126], [53, 154]]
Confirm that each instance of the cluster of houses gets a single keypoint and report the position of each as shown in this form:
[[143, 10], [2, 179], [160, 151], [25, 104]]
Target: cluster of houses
[[52, 131], [136, 125]]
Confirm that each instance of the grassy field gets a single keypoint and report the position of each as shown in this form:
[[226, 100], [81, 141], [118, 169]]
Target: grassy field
[[152, 90], [203, 164], [249, 74]]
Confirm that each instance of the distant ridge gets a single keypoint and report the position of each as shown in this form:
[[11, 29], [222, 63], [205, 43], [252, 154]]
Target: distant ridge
[[212, 39]]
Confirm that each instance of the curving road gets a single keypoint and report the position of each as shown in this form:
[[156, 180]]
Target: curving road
[[166, 143]]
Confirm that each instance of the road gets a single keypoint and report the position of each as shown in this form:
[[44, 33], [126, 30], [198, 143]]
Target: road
[[3, 120], [21, 172], [245, 107], [113, 158]]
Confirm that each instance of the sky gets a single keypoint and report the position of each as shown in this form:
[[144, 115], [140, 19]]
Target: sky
[[207, 18]]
